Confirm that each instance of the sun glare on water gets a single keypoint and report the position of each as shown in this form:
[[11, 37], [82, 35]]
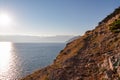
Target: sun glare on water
[[5, 52], [5, 20], [8, 59]]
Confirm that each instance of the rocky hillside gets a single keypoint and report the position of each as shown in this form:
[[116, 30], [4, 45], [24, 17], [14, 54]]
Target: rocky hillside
[[93, 56]]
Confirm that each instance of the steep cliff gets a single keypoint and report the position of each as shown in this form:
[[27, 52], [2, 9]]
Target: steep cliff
[[93, 56]]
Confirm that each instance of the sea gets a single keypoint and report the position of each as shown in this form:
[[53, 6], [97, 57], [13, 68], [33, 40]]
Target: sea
[[20, 59]]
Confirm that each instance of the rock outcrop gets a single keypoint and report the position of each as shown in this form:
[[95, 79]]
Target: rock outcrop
[[93, 56]]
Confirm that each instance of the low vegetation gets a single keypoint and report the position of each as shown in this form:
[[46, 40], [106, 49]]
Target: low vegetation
[[115, 26], [116, 11]]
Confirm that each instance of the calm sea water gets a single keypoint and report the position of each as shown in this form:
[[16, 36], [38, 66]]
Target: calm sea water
[[20, 59]]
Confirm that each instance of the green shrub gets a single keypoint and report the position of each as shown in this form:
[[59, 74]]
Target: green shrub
[[115, 26]]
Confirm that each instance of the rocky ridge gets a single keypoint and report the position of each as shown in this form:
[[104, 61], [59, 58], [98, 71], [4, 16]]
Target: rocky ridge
[[93, 56]]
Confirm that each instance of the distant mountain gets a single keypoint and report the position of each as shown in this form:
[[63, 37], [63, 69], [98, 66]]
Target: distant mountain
[[21, 38], [73, 38]]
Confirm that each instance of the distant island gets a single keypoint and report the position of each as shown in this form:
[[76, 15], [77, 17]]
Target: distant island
[[35, 39]]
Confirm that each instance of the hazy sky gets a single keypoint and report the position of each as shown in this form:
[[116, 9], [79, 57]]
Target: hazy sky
[[54, 17]]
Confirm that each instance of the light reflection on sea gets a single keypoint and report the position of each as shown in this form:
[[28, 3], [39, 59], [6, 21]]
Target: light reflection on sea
[[8, 60], [20, 59]]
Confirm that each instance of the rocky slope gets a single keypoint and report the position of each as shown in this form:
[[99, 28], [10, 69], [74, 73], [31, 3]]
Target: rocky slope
[[93, 56]]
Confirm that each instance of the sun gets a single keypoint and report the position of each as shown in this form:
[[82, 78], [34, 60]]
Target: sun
[[5, 20]]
